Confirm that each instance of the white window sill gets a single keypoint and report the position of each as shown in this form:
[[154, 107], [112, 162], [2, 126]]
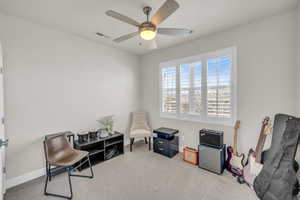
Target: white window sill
[[195, 118]]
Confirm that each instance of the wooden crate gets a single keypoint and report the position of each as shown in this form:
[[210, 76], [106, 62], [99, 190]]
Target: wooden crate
[[190, 155]]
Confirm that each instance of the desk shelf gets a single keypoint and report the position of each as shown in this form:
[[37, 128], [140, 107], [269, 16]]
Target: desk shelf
[[100, 147]]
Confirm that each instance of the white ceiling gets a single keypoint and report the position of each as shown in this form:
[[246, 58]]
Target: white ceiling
[[86, 17]]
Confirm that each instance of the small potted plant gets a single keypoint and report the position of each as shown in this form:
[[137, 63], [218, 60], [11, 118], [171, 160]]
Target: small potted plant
[[106, 125]]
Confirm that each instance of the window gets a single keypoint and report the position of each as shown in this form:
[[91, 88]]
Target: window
[[169, 90], [200, 88]]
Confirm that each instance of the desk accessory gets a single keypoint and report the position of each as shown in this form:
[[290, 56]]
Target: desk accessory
[[93, 134], [103, 133], [83, 136]]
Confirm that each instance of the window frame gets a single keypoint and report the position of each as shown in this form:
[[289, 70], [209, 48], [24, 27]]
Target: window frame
[[203, 116]]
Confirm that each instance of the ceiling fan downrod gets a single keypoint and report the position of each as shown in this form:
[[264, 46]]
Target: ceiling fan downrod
[[147, 11]]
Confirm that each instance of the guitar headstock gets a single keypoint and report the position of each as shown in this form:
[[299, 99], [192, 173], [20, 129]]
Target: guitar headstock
[[268, 129], [267, 126], [237, 124], [266, 120]]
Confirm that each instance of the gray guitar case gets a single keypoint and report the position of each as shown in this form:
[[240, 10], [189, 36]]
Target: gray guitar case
[[277, 180]]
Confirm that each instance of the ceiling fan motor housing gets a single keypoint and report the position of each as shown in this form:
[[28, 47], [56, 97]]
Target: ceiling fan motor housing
[[147, 26]]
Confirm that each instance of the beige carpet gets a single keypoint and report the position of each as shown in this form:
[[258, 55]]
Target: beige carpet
[[141, 175]]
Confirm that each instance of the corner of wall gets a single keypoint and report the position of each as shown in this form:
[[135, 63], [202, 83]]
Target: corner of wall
[[140, 64]]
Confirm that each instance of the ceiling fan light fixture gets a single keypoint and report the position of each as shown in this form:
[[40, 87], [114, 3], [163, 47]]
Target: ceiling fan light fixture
[[148, 34], [148, 31]]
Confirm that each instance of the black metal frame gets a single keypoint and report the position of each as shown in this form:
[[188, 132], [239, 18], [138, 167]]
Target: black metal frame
[[69, 169], [132, 141]]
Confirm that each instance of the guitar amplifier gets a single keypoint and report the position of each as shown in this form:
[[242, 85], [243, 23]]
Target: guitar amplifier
[[190, 155], [211, 138], [212, 159]]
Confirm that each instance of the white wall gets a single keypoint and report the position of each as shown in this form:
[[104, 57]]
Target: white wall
[[266, 76], [55, 82]]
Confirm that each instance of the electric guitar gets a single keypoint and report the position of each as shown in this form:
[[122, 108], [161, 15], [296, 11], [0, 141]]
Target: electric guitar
[[234, 163], [254, 166]]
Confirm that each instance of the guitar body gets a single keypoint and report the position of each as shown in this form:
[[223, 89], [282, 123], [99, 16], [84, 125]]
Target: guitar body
[[248, 176], [229, 156], [237, 162], [234, 163], [254, 165], [252, 169]]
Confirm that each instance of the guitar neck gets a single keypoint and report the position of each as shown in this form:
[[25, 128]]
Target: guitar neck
[[235, 142], [260, 145]]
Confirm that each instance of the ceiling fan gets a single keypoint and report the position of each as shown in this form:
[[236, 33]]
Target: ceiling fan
[[148, 29]]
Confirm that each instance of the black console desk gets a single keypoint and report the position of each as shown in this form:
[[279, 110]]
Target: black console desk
[[166, 147], [166, 143], [102, 149]]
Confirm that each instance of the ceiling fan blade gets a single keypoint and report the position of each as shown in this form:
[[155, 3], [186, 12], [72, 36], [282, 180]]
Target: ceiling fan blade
[[126, 37], [167, 9], [122, 18], [174, 31]]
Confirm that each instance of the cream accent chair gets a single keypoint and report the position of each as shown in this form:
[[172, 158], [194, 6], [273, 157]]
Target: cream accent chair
[[139, 128]]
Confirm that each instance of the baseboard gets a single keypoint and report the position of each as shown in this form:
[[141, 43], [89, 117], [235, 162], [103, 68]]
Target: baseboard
[[25, 178], [12, 182]]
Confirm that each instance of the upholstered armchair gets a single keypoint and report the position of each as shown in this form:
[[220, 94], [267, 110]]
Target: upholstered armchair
[[140, 128]]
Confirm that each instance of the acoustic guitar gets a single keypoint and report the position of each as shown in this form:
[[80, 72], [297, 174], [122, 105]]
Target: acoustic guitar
[[254, 166], [234, 162]]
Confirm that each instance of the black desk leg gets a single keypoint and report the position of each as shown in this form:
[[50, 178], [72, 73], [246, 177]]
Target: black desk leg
[[149, 143]]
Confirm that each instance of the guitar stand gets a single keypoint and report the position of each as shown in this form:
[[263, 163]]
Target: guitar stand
[[240, 180]]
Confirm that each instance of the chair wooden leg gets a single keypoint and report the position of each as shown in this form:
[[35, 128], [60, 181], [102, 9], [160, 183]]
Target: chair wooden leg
[[149, 143], [146, 140], [131, 143]]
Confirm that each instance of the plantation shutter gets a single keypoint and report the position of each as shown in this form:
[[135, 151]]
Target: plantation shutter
[[169, 102], [219, 87], [185, 87], [196, 89], [190, 88], [200, 88]]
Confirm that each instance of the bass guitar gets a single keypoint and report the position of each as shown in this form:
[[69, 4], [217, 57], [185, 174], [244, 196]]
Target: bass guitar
[[234, 162], [253, 165]]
